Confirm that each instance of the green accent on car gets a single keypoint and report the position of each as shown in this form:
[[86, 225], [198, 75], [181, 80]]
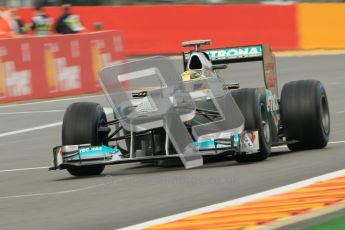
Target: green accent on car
[[235, 53], [95, 152], [205, 144], [236, 139], [210, 144], [272, 106]]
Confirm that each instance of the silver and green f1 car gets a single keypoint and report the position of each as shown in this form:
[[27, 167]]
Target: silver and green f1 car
[[160, 114]]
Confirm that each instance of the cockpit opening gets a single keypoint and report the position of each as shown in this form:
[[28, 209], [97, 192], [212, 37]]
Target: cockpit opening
[[195, 63]]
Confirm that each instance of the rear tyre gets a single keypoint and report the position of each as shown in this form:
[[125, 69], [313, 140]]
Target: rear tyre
[[305, 114], [254, 109], [80, 124]]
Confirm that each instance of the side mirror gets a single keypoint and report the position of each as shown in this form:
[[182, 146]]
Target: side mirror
[[220, 66], [231, 86], [139, 94]]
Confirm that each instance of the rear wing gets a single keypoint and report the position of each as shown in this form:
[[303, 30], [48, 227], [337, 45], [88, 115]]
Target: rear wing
[[244, 54]]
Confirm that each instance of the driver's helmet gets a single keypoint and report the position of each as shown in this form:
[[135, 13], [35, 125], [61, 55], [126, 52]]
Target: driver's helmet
[[191, 75]]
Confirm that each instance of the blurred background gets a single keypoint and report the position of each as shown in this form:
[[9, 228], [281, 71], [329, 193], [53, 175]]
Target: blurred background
[[28, 3]]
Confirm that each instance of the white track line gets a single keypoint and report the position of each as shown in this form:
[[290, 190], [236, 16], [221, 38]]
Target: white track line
[[336, 142], [30, 129], [50, 101], [331, 142], [32, 112], [55, 193], [238, 201], [106, 110], [23, 169]]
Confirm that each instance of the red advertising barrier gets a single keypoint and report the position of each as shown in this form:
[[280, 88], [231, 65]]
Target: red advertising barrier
[[52, 66], [161, 29]]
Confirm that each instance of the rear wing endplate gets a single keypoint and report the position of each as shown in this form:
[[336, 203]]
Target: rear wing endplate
[[244, 54]]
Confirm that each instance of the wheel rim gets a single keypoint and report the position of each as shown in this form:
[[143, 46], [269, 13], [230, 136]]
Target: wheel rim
[[265, 124], [324, 114]]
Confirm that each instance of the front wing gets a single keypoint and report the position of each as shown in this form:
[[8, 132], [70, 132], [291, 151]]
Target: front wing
[[85, 155]]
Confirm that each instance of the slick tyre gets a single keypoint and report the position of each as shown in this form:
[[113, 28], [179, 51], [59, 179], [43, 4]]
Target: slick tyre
[[254, 109], [80, 124], [305, 114]]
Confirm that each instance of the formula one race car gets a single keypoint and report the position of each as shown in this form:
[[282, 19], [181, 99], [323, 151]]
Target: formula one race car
[[160, 114]]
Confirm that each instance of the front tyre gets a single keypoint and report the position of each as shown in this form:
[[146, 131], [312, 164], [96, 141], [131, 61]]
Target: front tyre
[[305, 114], [253, 107], [80, 124]]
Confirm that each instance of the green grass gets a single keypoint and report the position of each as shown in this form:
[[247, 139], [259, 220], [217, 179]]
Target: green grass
[[333, 224]]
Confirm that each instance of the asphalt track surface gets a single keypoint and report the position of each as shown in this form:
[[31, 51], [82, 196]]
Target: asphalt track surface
[[133, 193]]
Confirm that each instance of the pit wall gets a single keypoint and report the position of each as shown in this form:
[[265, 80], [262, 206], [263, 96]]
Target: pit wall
[[62, 65]]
